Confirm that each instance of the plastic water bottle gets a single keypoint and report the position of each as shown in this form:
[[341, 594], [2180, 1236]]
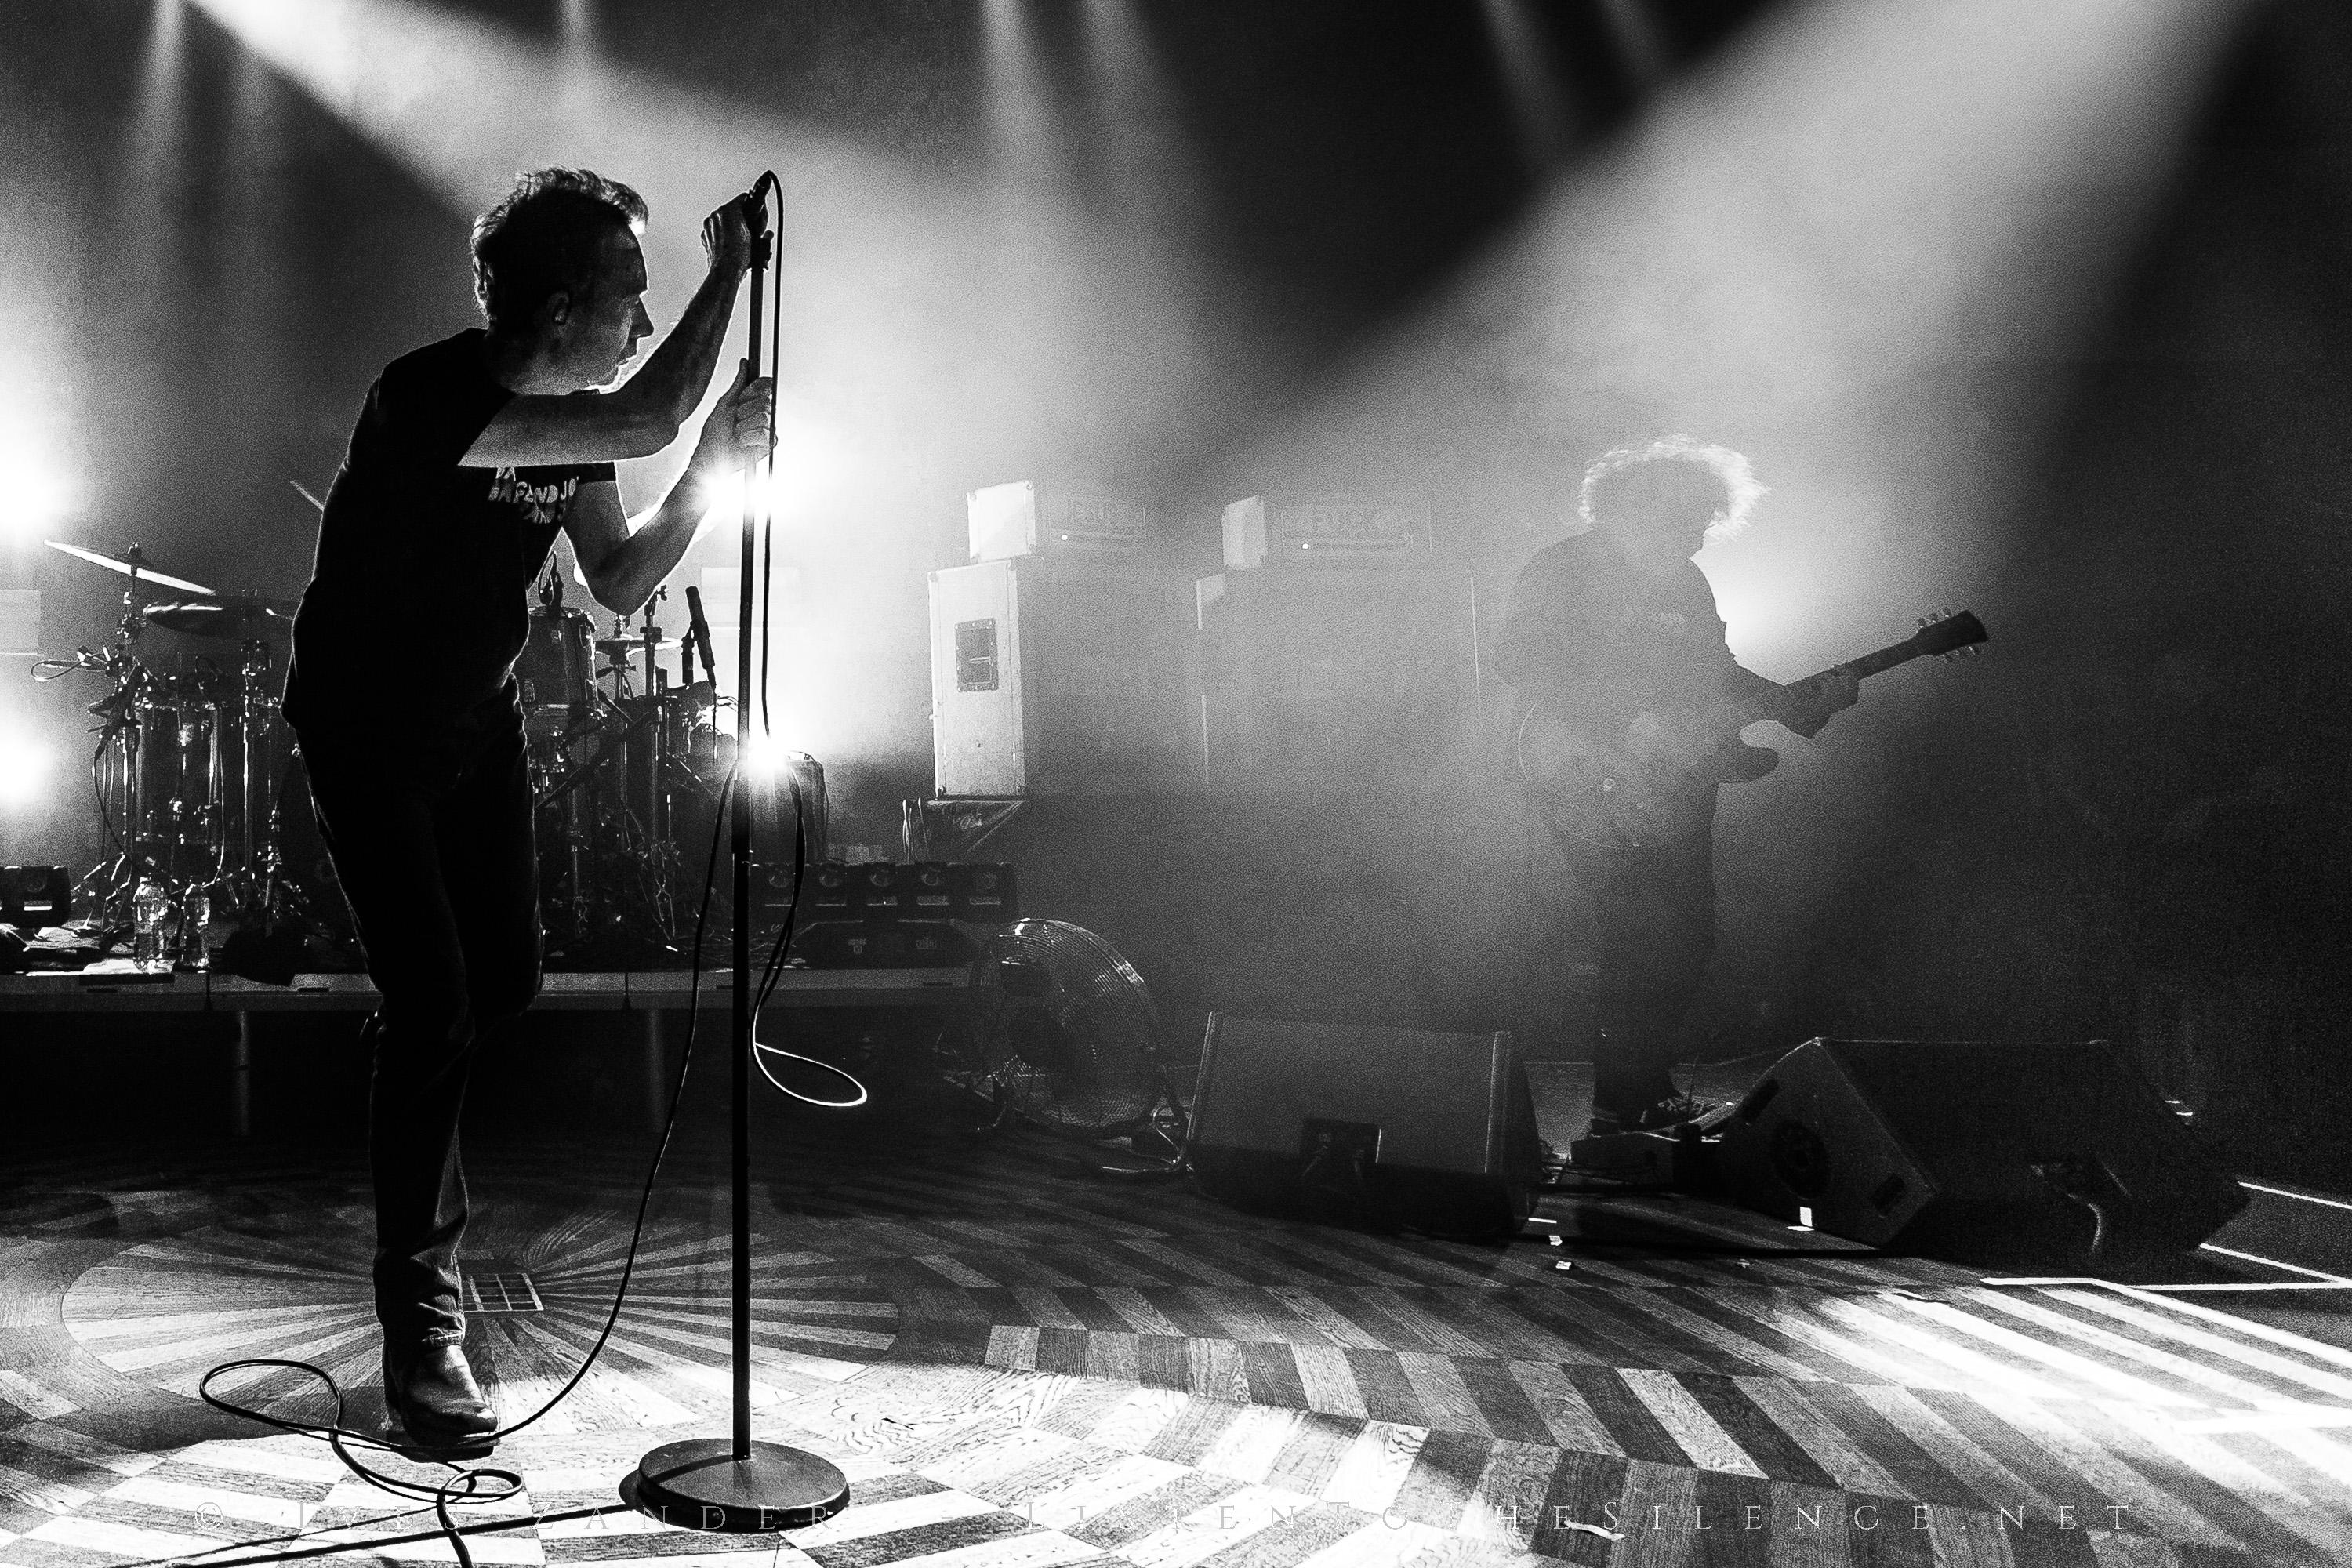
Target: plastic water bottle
[[151, 906], [194, 916]]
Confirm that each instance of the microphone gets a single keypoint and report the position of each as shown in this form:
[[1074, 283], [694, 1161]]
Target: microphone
[[757, 199], [698, 633]]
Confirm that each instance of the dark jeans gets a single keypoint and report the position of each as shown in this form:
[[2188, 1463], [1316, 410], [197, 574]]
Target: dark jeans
[[443, 883], [1654, 910]]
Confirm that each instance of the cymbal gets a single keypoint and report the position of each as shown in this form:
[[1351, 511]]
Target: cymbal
[[129, 563], [624, 648], [244, 616]]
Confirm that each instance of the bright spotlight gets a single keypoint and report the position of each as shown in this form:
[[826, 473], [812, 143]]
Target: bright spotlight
[[24, 769], [35, 497], [812, 464], [766, 758]]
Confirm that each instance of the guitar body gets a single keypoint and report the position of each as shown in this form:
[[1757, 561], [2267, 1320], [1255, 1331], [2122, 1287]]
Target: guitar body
[[1656, 783], [1653, 785]]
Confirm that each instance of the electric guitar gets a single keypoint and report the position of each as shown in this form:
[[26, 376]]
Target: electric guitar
[[1656, 783]]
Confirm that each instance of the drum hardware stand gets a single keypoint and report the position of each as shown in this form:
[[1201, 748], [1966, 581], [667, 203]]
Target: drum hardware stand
[[651, 635], [595, 727], [576, 834], [113, 883], [253, 715], [129, 866], [103, 883]]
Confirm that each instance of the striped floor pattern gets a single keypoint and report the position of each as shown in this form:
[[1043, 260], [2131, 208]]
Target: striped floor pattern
[[1017, 1367]]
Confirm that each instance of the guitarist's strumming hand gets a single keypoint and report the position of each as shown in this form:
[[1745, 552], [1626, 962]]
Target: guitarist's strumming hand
[[1669, 739], [1811, 701]]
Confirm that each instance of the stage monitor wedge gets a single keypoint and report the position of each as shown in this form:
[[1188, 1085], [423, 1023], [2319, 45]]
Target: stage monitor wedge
[[1395, 1126], [1970, 1151]]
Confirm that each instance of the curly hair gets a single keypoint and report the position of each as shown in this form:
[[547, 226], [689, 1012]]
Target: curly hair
[[1726, 469], [546, 236]]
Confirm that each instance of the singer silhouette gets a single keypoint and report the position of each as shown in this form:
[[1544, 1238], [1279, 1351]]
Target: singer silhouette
[[469, 456]]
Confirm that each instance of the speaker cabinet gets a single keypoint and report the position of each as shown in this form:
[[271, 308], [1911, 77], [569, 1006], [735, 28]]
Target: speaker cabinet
[[1339, 677], [2054, 1152], [1433, 1131], [1061, 677]]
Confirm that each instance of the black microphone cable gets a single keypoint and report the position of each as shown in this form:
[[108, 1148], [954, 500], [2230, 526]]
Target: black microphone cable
[[482, 1483], [773, 969]]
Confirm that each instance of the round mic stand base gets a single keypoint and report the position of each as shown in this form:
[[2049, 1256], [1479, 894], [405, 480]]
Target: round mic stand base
[[700, 1484]]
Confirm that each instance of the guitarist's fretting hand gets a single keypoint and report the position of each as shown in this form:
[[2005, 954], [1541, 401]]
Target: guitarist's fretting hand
[[1813, 701]]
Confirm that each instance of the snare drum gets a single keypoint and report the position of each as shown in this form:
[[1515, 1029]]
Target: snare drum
[[556, 671]]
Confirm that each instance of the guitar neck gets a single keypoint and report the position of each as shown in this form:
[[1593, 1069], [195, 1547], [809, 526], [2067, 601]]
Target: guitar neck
[[1772, 704]]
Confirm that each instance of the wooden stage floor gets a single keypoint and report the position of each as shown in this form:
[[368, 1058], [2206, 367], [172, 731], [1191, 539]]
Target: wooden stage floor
[[1020, 1367]]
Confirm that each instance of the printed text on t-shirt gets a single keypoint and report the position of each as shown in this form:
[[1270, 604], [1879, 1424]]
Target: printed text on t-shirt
[[541, 504]]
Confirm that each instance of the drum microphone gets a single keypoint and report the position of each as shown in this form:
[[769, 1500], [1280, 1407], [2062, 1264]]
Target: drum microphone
[[698, 633]]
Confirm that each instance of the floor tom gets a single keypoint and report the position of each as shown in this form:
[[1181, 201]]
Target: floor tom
[[556, 671]]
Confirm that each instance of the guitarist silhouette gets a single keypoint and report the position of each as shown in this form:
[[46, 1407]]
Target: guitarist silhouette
[[1617, 652]]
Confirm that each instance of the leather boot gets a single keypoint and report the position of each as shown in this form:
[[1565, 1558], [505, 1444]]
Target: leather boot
[[1633, 1065], [431, 1392]]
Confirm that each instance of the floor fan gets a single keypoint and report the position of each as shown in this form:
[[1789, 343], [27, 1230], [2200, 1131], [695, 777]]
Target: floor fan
[[1075, 1048]]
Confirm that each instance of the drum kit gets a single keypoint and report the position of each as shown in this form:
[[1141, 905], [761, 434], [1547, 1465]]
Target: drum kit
[[628, 765], [189, 761], [200, 788]]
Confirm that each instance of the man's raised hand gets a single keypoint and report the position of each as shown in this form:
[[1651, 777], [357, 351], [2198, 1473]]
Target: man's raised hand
[[736, 433], [728, 232]]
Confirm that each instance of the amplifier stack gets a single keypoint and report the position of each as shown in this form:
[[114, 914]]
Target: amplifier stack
[[1333, 652]]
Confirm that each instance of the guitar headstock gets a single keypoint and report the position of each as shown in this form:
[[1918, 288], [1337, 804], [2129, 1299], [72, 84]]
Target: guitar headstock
[[1947, 634]]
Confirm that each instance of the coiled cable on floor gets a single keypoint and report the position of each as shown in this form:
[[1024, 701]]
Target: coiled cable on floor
[[473, 1485], [778, 952]]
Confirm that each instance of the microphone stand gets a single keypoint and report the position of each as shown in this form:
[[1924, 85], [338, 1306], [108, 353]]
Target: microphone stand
[[736, 1484]]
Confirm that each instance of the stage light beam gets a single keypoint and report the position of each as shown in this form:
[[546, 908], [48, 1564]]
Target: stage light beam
[[1853, 212], [1020, 96], [1537, 106], [932, 321], [1639, 43], [23, 769]]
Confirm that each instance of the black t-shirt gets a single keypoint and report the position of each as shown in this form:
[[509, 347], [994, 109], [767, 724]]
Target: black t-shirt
[[406, 642], [1603, 639]]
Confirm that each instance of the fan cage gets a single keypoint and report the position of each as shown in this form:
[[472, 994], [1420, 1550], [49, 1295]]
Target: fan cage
[[1082, 1059]]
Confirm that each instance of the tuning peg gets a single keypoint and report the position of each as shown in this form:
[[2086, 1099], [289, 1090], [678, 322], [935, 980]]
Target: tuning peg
[[1923, 621]]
